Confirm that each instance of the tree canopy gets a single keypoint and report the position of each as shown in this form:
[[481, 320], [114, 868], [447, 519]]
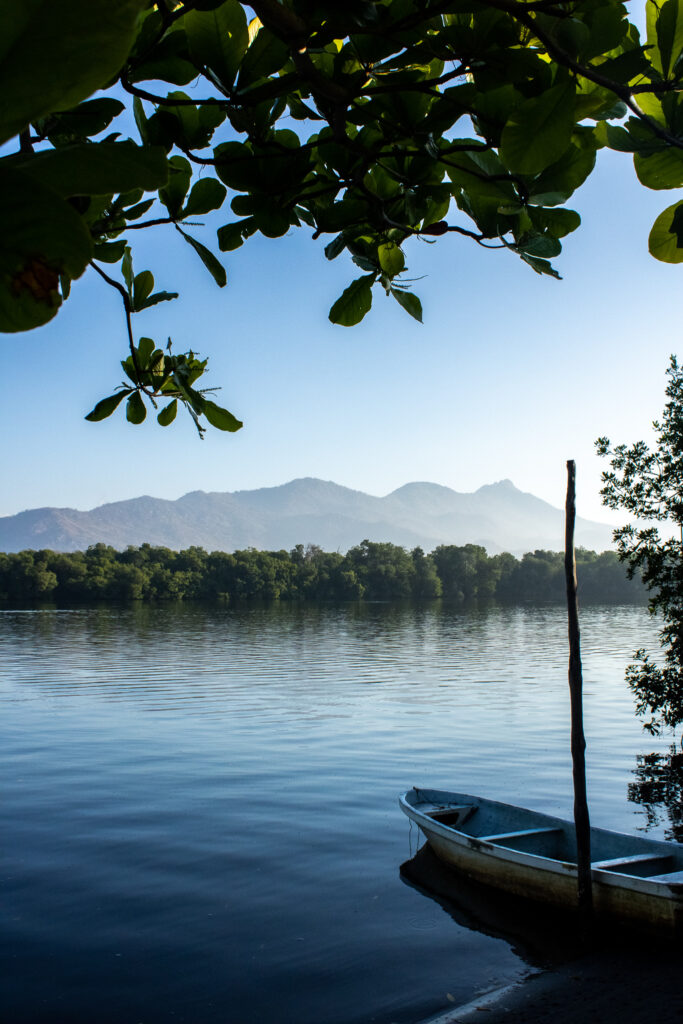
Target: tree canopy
[[371, 571], [368, 124]]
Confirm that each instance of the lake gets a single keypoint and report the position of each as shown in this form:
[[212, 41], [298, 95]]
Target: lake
[[199, 806]]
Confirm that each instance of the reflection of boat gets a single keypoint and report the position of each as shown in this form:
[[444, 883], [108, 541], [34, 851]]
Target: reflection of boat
[[534, 855], [539, 934]]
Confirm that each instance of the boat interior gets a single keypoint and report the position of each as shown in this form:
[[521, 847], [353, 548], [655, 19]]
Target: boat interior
[[543, 836]]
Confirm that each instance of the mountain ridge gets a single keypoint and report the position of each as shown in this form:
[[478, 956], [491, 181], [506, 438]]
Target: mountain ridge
[[308, 510]]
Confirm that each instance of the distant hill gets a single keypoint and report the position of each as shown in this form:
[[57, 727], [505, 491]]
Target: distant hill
[[309, 511]]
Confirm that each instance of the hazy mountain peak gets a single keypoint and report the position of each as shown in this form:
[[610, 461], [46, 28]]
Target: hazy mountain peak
[[309, 510], [420, 487], [499, 485]]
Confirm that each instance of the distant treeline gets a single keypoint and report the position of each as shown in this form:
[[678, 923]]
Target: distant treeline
[[371, 571]]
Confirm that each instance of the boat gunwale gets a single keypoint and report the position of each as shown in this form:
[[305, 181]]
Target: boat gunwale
[[614, 879]]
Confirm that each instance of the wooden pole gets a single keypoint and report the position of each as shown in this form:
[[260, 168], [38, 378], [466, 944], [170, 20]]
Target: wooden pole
[[578, 740]]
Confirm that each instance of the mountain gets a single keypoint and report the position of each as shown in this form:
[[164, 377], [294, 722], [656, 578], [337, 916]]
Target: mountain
[[309, 511]]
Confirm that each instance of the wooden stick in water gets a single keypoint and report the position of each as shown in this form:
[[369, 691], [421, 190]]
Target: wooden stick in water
[[578, 740]]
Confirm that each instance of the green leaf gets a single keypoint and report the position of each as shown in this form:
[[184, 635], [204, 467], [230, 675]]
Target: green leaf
[[566, 175], [660, 170], [540, 266], [365, 264], [109, 252], [651, 18], [87, 119], [179, 176], [266, 55], [145, 348], [547, 199], [53, 55], [129, 369], [558, 222], [245, 205], [127, 269], [626, 66], [614, 111], [184, 124], [670, 33], [135, 408], [165, 63], [409, 301], [97, 168], [354, 302], [663, 240], [235, 164], [154, 299], [539, 130], [391, 259], [135, 212], [143, 284], [677, 225], [230, 236], [335, 247], [168, 413], [537, 244], [216, 269], [573, 36], [271, 220], [616, 137], [140, 118], [219, 417], [42, 238], [107, 406], [608, 28], [206, 195], [218, 39]]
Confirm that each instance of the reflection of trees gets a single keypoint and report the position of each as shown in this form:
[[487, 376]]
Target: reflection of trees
[[659, 790]]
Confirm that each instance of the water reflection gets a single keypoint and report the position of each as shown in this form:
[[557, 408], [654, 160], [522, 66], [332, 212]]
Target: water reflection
[[539, 935], [658, 788]]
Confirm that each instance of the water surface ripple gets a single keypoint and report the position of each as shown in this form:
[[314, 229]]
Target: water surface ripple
[[199, 806]]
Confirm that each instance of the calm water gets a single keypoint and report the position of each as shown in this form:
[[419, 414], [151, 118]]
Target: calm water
[[199, 811]]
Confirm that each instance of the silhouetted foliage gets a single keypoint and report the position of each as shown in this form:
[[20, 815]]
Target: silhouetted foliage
[[648, 484], [659, 789]]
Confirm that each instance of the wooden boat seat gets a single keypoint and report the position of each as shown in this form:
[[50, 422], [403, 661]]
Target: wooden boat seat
[[457, 814], [667, 876], [641, 864], [504, 837]]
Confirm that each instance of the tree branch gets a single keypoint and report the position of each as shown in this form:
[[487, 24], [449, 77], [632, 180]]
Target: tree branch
[[164, 101], [128, 311], [623, 92]]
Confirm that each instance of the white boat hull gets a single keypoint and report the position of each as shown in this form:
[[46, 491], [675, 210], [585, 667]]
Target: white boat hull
[[635, 879]]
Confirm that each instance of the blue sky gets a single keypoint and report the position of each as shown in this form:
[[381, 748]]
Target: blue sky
[[510, 375]]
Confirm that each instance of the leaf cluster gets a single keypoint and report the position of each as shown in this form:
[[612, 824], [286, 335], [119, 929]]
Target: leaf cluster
[[163, 377], [373, 123]]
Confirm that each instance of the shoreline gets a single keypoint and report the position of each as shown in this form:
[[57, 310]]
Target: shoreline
[[634, 985]]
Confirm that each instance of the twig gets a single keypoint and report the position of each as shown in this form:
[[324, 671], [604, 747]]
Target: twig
[[127, 307]]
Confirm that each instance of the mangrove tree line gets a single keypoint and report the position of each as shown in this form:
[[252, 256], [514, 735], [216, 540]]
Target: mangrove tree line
[[370, 571]]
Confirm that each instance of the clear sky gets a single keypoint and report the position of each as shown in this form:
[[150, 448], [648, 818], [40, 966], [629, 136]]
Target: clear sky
[[510, 375]]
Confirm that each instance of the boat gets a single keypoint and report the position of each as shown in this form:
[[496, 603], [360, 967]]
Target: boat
[[636, 880]]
